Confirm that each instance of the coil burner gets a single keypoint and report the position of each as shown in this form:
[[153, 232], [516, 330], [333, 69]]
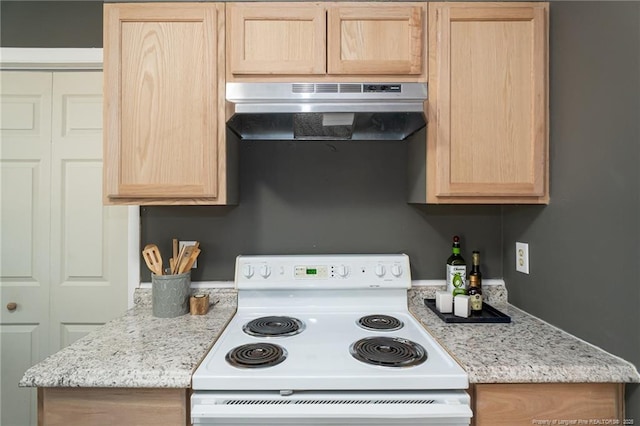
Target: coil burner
[[273, 326], [256, 355], [380, 323], [388, 352]]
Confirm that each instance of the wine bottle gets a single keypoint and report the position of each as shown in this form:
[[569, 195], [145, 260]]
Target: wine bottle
[[475, 283], [456, 270]]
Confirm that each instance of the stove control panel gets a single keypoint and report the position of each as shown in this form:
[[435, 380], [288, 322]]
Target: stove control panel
[[323, 271]]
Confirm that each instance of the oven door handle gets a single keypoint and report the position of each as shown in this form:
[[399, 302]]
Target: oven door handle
[[452, 412]]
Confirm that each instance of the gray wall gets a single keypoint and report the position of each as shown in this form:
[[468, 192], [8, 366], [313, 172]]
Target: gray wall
[[585, 246], [317, 197], [51, 23]]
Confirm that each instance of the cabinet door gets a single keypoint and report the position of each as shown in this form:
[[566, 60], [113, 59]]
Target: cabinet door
[[113, 406], [276, 38], [375, 38], [524, 404], [487, 110], [161, 101]]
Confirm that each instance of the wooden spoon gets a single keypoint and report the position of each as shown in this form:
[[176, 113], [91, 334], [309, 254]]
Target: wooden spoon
[[152, 258], [185, 256], [190, 261]]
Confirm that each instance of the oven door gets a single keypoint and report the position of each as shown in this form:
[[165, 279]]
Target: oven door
[[450, 408]]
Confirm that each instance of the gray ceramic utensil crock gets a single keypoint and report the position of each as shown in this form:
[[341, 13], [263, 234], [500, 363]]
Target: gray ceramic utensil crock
[[170, 294]]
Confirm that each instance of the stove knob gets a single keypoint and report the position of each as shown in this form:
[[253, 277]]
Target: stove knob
[[396, 270], [343, 271], [265, 271], [380, 270], [247, 271]]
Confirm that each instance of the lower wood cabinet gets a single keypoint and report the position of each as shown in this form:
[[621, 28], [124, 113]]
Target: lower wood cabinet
[[511, 404], [516, 404], [113, 406]]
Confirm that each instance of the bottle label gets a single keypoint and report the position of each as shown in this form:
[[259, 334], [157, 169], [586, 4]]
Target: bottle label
[[456, 277], [474, 280], [476, 302]]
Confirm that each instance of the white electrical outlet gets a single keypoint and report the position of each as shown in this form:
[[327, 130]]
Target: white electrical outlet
[[187, 243], [522, 257]]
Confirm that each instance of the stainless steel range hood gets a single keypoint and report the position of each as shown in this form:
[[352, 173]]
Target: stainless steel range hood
[[326, 111]]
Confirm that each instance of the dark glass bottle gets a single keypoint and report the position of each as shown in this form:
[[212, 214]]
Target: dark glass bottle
[[456, 270], [475, 283]]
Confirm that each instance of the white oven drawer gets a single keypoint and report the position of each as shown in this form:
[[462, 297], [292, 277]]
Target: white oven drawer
[[450, 408]]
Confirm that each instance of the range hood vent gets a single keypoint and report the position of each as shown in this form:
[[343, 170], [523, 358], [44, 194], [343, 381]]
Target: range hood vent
[[326, 88], [326, 111]]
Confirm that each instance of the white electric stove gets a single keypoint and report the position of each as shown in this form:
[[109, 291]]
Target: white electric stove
[[327, 340]]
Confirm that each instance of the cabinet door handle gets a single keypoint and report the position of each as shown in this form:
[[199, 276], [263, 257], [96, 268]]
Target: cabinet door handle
[[11, 306]]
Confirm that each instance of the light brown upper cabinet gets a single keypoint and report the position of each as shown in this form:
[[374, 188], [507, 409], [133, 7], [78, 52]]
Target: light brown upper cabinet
[[326, 40], [276, 38], [375, 39], [164, 104], [488, 137]]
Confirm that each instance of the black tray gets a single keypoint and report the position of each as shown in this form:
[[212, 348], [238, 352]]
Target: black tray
[[489, 314]]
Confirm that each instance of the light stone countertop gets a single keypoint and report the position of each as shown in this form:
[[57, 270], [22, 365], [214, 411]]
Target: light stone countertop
[[526, 350], [139, 350]]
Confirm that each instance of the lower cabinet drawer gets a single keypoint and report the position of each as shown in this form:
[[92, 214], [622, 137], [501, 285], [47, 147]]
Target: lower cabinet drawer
[[535, 403]]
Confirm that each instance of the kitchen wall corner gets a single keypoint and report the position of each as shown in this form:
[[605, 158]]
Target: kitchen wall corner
[[585, 246]]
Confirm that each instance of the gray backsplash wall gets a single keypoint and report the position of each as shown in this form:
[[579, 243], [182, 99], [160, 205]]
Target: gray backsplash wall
[[51, 23], [585, 246], [326, 197]]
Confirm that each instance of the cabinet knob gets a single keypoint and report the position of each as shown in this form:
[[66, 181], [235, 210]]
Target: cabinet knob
[[11, 306]]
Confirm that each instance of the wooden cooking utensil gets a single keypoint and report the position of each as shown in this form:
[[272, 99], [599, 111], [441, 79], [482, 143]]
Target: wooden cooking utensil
[[183, 259], [190, 261], [174, 247], [176, 263], [152, 258]]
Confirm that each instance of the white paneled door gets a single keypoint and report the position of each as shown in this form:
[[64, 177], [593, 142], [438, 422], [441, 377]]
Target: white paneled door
[[63, 254], [25, 220], [88, 240]]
